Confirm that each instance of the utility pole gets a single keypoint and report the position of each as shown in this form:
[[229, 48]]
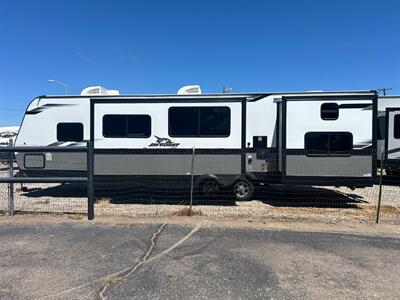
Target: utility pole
[[383, 90]]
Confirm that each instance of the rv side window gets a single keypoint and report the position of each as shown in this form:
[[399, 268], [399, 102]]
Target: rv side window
[[215, 121], [183, 121], [329, 111], [69, 132], [126, 126], [340, 142], [328, 143], [316, 142], [199, 121], [396, 129]]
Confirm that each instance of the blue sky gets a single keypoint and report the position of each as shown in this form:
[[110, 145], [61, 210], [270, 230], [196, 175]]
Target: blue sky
[[158, 46]]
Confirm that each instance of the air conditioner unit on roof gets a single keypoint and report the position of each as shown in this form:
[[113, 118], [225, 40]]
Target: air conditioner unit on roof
[[189, 89], [98, 90]]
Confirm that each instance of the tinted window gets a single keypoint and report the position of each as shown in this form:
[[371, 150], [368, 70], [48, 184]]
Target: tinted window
[[215, 121], [183, 121], [329, 111], [396, 129], [317, 142], [126, 126], [199, 121], [340, 142], [70, 132], [139, 126], [328, 142]]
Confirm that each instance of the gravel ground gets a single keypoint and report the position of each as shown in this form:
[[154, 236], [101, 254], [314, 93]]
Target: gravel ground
[[327, 204]]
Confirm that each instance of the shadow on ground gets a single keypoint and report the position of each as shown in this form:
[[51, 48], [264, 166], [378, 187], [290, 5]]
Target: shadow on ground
[[277, 195], [307, 196], [393, 180]]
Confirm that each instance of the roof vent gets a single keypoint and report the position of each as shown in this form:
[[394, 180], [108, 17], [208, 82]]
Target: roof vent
[[189, 89], [98, 90]]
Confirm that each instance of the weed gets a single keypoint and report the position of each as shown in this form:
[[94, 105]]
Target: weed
[[75, 217], [184, 212], [113, 279], [103, 202]]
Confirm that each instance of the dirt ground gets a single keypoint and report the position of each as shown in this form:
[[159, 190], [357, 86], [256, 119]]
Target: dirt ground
[[345, 226], [275, 203], [358, 211]]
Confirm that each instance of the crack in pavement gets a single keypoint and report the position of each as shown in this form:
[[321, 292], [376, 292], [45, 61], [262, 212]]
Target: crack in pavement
[[148, 260], [125, 273], [131, 268]]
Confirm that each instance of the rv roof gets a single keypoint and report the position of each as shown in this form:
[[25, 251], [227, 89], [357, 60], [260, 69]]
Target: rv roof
[[391, 96], [230, 95]]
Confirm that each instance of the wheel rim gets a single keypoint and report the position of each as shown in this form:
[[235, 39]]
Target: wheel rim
[[241, 189], [210, 188]]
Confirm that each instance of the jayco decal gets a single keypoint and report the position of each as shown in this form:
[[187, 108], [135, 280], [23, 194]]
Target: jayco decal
[[163, 142]]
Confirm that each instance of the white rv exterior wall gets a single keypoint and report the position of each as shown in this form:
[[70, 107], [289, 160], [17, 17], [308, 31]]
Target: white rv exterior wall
[[304, 116], [159, 126], [386, 102], [41, 129], [261, 120]]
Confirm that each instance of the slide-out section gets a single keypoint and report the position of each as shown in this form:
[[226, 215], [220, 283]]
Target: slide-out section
[[328, 140]]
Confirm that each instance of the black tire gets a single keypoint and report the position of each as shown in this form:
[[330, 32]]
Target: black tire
[[210, 188], [243, 190], [389, 172], [392, 172]]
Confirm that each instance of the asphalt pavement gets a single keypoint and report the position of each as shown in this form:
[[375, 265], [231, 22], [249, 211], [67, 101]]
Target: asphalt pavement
[[83, 260]]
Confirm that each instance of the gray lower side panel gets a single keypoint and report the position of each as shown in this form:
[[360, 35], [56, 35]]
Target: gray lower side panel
[[143, 164], [148, 164], [352, 166], [54, 161]]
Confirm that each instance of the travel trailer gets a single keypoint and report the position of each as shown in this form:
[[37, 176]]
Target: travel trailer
[[240, 140], [7, 134], [389, 133]]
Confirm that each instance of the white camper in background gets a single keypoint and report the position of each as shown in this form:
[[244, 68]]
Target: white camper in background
[[7, 134], [389, 133], [313, 138]]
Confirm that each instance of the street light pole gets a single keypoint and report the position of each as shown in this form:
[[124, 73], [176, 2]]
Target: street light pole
[[61, 83]]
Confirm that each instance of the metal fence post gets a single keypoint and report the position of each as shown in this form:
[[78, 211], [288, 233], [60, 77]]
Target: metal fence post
[[378, 208], [191, 184], [11, 185], [90, 182]]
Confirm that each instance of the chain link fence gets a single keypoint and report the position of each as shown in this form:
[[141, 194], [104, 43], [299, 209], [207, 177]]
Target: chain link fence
[[154, 183], [45, 180]]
